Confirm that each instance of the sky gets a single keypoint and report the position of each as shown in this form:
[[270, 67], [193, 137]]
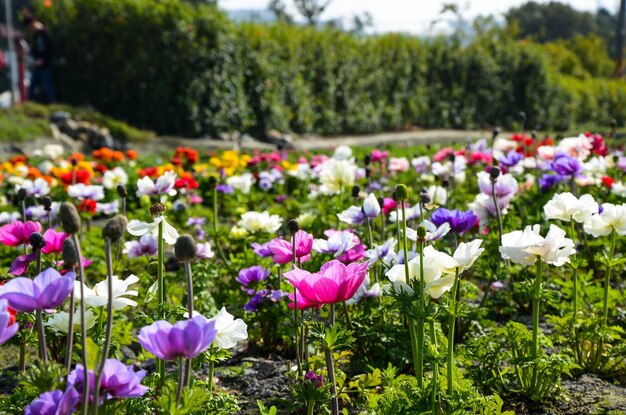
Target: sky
[[414, 16]]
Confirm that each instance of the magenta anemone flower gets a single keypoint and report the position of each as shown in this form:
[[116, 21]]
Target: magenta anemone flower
[[187, 338], [334, 283], [46, 291], [283, 250], [18, 232], [7, 330], [54, 241], [54, 403]]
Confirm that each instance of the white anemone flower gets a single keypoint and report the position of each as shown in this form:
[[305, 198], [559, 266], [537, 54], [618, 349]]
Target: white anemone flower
[[337, 175], [567, 207], [164, 185], [241, 183], [260, 222], [114, 177], [525, 247], [60, 321], [139, 228], [612, 218], [83, 191], [229, 330], [37, 188], [99, 295]]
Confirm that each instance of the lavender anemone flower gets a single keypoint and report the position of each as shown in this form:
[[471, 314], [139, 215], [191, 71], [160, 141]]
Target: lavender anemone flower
[[250, 276], [262, 250], [224, 188], [46, 291], [7, 330], [187, 338], [253, 304], [565, 165], [353, 216], [147, 245], [118, 380], [460, 222], [511, 158], [338, 242], [54, 403], [382, 252]]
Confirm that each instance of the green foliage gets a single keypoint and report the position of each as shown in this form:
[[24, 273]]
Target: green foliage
[[184, 69]]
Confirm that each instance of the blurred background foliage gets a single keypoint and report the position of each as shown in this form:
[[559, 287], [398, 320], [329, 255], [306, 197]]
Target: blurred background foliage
[[182, 68]]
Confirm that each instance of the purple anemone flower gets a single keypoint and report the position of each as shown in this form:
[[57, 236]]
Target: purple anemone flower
[[460, 222], [46, 291], [118, 380], [262, 250], [548, 181], [224, 188], [255, 301], [54, 403], [510, 159], [565, 165], [147, 245], [250, 276], [187, 338], [7, 330]]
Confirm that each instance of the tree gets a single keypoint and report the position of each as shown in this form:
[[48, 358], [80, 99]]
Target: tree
[[311, 9], [280, 11], [362, 22]]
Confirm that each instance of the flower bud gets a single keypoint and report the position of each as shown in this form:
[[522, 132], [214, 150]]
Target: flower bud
[[157, 209], [401, 192], [445, 183], [212, 182], [421, 232], [185, 248], [121, 190], [69, 254], [70, 219], [355, 191], [47, 203], [452, 157], [21, 194], [371, 207], [115, 227], [74, 161], [424, 198], [495, 133], [293, 226], [494, 172], [367, 159], [37, 241]]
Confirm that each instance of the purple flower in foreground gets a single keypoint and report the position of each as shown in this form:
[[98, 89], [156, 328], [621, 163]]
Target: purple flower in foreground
[[565, 165], [460, 222], [54, 403], [46, 291], [187, 338], [7, 330], [118, 380]]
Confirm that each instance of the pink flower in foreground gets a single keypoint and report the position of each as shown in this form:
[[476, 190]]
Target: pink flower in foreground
[[282, 250], [334, 283], [18, 232]]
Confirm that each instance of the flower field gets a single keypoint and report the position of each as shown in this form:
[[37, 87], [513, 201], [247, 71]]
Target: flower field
[[471, 280]]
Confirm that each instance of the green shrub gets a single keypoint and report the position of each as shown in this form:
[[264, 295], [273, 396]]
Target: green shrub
[[178, 68]]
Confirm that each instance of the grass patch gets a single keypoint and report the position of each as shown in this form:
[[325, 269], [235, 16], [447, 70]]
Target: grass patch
[[30, 120]]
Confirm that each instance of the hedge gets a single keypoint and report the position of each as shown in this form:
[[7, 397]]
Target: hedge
[[187, 70]]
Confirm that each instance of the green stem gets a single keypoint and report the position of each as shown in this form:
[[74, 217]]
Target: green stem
[[83, 324], [310, 407], [451, 322], [536, 307], [433, 339], [415, 349], [420, 321], [181, 380], [161, 292], [109, 324], [330, 366], [369, 232], [607, 280], [211, 368], [43, 352]]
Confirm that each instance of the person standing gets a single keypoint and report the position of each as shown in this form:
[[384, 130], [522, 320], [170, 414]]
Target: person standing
[[42, 77]]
